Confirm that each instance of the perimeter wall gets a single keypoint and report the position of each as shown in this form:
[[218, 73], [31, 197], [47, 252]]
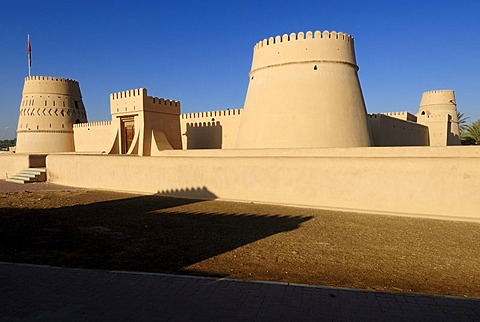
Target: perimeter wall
[[13, 163], [433, 182], [210, 130]]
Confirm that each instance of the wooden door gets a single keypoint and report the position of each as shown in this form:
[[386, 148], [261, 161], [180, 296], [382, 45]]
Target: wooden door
[[128, 132]]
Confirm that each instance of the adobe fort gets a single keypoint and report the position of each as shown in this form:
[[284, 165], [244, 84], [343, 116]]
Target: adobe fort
[[303, 138]]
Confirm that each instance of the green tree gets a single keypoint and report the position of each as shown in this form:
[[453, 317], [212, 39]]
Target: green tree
[[462, 123], [7, 143], [472, 132]]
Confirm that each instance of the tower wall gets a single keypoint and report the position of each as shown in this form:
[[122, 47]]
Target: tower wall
[[49, 108], [438, 111], [304, 91]]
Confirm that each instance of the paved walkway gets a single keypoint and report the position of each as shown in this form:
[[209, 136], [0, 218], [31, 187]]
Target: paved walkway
[[31, 292]]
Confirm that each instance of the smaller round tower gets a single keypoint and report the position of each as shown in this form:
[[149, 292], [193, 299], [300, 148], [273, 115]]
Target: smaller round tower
[[49, 108], [438, 110]]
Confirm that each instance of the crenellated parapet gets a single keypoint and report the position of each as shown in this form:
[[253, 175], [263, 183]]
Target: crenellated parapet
[[310, 47], [139, 92], [163, 102], [138, 100], [444, 99], [438, 91], [52, 85], [403, 115], [302, 36], [228, 112], [93, 124], [50, 78], [203, 124]]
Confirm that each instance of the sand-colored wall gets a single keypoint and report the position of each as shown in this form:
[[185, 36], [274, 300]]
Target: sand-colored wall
[[210, 130], [438, 182], [13, 163], [154, 118], [438, 111], [94, 137], [156, 125], [49, 108], [304, 92], [396, 131], [406, 116], [440, 129]]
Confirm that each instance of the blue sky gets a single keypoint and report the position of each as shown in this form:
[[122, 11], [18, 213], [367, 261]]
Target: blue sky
[[199, 52]]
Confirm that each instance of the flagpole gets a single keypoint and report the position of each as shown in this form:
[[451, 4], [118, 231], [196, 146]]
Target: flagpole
[[29, 54]]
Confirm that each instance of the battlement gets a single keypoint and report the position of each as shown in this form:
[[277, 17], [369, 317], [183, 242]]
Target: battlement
[[50, 78], [311, 48], [92, 124], [203, 124], [333, 35], [439, 91], [129, 93], [211, 114], [403, 115], [395, 113], [138, 100], [51, 85], [438, 99], [142, 93], [163, 101]]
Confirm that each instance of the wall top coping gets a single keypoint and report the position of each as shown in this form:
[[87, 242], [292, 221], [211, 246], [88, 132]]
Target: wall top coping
[[91, 124], [227, 112], [362, 152], [439, 91]]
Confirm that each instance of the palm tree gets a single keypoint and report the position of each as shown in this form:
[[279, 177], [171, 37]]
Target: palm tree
[[462, 123], [472, 132]]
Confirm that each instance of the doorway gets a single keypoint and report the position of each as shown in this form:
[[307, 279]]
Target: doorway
[[128, 132]]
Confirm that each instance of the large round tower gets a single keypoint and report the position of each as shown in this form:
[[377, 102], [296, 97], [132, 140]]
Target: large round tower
[[304, 92], [49, 108]]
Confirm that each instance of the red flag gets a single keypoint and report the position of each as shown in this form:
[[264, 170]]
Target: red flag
[[29, 51]]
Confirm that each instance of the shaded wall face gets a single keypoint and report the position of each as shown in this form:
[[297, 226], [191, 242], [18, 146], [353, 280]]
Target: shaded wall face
[[391, 131], [207, 135], [167, 123], [210, 130], [304, 105]]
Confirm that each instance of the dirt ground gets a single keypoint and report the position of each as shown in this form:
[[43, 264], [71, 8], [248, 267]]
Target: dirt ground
[[117, 231]]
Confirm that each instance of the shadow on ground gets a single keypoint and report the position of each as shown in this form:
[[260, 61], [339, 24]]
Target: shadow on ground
[[146, 233]]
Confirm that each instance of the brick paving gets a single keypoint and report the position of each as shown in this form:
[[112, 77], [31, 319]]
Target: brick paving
[[34, 293]]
